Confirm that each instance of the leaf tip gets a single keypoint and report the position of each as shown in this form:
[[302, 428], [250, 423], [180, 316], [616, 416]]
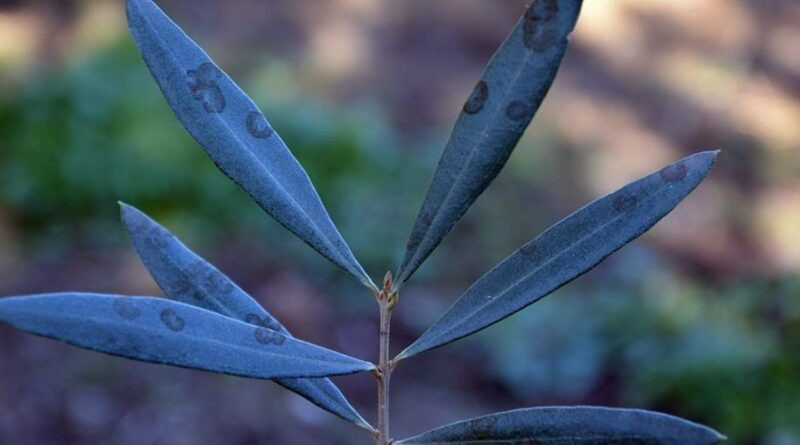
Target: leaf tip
[[706, 159], [128, 212]]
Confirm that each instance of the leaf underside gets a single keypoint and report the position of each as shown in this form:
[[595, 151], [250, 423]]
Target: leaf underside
[[188, 278], [571, 425], [159, 330], [235, 134], [491, 122], [568, 249]]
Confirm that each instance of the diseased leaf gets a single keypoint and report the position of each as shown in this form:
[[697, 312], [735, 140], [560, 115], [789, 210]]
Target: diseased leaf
[[234, 133], [158, 330], [186, 277], [562, 425], [566, 250], [491, 122]]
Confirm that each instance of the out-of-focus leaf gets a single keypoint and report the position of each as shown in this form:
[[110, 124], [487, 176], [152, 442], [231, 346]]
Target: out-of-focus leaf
[[159, 330], [188, 278], [234, 133], [566, 250], [571, 425], [491, 122]]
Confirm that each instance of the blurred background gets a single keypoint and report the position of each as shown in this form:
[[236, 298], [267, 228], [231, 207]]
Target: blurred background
[[699, 318]]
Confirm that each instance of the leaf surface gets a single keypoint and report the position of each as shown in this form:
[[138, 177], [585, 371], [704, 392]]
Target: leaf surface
[[491, 122], [235, 134], [571, 425], [568, 249], [188, 278], [163, 331]]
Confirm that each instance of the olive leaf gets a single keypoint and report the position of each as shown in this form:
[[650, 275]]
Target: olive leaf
[[188, 278], [491, 122], [235, 134], [566, 250], [159, 330], [561, 425]]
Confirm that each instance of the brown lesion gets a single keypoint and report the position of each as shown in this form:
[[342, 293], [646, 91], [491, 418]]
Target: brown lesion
[[203, 87], [258, 126], [539, 27], [265, 322], [624, 202], [674, 173], [172, 321], [477, 99], [252, 319], [517, 110], [126, 309], [216, 283], [268, 337], [187, 284]]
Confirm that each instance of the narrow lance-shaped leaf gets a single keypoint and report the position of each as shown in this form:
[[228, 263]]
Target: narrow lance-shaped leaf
[[158, 330], [186, 277], [491, 122], [566, 250], [234, 133], [562, 425]]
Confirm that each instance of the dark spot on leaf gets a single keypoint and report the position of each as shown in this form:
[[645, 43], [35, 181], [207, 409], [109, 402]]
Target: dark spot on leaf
[[203, 86], [198, 295], [125, 308], [539, 29], [253, 319], [172, 320], [185, 284], [674, 172], [265, 322], [213, 282], [268, 337], [272, 324], [624, 202], [517, 110], [477, 99], [258, 126]]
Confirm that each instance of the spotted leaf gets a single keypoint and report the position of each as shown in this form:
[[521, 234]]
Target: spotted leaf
[[491, 122], [158, 330], [235, 134], [186, 277], [561, 425], [566, 250]]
